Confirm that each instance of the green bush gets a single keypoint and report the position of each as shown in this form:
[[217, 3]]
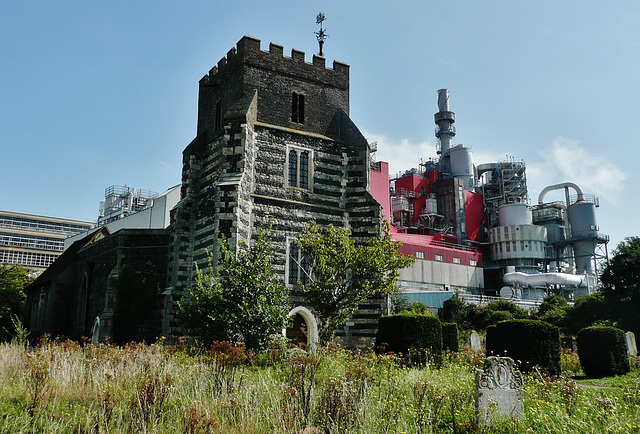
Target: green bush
[[526, 341], [603, 351], [496, 311], [491, 317], [450, 336], [458, 311], [404, 331], [587, 311]]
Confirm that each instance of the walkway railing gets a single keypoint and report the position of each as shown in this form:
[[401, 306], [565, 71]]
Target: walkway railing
[[482, 300]]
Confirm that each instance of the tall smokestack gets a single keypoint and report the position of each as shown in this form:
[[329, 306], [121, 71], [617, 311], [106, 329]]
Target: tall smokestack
[[444, 119]]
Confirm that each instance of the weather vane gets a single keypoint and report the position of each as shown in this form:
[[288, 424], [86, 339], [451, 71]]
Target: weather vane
[[321, 35]]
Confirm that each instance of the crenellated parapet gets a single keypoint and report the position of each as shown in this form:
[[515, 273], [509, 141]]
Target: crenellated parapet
[[248, 51]]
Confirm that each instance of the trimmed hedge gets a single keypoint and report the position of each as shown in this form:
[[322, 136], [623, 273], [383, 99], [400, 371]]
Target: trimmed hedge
[[526, 341], [603, 351], [403, 331], [450, 336]]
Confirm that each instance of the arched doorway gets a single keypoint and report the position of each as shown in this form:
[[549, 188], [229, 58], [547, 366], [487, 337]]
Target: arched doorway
[[304, 329], [298, 331]]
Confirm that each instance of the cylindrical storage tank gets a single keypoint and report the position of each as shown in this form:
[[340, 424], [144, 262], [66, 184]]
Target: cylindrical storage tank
[[431, 206], [582, 218], [514, 214], [584, 230], [461, 161]]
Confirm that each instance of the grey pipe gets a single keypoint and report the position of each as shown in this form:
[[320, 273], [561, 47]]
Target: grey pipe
[[558, 187]]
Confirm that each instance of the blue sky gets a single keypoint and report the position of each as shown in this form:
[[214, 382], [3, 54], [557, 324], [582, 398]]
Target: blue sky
[[100, 93]]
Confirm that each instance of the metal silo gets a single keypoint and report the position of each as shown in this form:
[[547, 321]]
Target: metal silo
[[461, 161], [514, 214], [584, 233]]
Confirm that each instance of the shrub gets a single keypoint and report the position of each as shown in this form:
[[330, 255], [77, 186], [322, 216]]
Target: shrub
[[419, 308], [496, 311], [491, 317], [456, 310], [603, 351], [527, 341], [404, 331], [586, 311], [450, 336]]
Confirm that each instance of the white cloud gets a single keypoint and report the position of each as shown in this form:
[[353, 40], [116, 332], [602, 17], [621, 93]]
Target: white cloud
[[564, 160], [567, 160], [400, 154]]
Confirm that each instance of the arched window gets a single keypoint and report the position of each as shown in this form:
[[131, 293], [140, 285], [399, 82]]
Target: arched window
[[293, 168], [299, 168], [298, 266], [304, 169]]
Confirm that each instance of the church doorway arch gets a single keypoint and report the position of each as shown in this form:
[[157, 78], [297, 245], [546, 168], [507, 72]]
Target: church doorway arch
[[304, 329]]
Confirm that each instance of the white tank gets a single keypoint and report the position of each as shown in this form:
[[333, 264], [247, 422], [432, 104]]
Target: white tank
[[514, 214], [431, 206], [461, 161]]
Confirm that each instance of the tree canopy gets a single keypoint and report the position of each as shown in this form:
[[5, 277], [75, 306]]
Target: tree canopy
[[621, 276], [342, 274], [621, 283], [13, 281], [240, 299]]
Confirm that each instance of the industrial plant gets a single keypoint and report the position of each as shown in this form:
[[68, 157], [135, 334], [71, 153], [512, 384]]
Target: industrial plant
[[464, 216]]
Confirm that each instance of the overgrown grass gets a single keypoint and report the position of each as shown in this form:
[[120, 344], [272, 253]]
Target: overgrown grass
[[66, 387]]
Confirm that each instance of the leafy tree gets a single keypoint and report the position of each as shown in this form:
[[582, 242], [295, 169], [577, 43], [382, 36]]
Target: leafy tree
[[496, 311], [343, 274], [399, 302], [587, 310], [621, 283], [13, 281], [553, 310], [419, 308], [241, 299], [456, 310]]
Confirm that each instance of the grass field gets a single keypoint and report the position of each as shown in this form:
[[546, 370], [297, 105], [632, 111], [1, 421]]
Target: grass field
[[66, 387]]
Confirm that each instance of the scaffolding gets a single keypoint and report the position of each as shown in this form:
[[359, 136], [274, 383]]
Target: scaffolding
[[121, 201], [506, 184]]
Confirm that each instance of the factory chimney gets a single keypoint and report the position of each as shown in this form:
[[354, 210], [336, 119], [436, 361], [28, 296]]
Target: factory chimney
[[445, 130]]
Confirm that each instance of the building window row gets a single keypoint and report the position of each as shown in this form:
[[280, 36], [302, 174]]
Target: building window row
[[438, 257], [41, 225], [27, 259], [31, 241], [514, 246]]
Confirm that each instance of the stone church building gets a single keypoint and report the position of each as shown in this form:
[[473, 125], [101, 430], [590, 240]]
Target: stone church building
[[274, 147]]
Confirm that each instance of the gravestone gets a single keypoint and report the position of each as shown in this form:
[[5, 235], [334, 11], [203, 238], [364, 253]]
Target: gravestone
[[499, 392], [632, 348], [476, 342]]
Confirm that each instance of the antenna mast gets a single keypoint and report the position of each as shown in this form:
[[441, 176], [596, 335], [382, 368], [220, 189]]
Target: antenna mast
[[321, 35]]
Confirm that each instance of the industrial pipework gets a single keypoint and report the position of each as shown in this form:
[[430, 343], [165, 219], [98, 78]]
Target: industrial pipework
[[544, 279], [564, 185]]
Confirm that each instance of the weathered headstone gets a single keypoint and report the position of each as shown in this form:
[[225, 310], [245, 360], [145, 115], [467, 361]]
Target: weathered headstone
[[632, 348], [476, 342], [499, 391]]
